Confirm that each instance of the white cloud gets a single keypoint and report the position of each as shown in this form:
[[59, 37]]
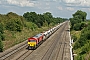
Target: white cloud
[[47, 3], [21, 3], [0, 2], [70, 9], [85, 2], [86, 9], [60, 8], [82, 3], [71, 1], [47, 8], [54, 0], [57, 7]]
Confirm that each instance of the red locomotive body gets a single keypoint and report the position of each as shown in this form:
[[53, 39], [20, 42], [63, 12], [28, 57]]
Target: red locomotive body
[[34, 41]]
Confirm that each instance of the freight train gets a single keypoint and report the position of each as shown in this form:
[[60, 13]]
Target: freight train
[[34, 41]]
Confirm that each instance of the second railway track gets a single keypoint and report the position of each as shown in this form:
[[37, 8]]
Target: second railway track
[[49, 55], [13, 53]]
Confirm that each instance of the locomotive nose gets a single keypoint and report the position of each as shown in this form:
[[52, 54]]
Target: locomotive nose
[[32, 44]]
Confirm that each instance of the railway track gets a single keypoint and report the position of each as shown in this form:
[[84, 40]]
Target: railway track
[[26, 54], [49, 55], [58, 48], [18, 53], [12, 53], [62, 48], [55, 48], [64, 53]]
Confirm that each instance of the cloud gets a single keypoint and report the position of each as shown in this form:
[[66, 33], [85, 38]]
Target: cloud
[[60, 8], [82, 3], [70, 9], [0, 2], [21, 3], [47, 8], [47, 4], [49, 0], [71, 1]]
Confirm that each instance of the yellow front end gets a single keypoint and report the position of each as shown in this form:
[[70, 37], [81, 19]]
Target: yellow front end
[[32, 44]]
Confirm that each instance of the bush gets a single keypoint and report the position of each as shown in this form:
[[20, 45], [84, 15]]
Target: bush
[[1, 28], [76, 46], [1, 31], [85, 48], [77, 26], [83, 24], [31, 25], [84, 38], [1, 45], [2, 36], [80, 57], [14, 25], [74, 38]]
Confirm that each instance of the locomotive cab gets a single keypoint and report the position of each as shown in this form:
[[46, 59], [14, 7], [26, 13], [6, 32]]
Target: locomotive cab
[[32, 43]]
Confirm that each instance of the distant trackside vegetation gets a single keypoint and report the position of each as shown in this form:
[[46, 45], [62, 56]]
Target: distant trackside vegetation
[[80, 32]]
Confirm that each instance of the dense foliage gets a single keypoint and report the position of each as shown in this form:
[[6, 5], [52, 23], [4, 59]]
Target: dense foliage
[[82, 44], [1, 45], [42, 19], [1, 37], [78, 18]]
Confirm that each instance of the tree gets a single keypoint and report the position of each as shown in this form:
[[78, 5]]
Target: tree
[[77, 26], [14, 25], [45, 23], [48, 16], [41, 19], [1, 28], [78, 17], [80, 14], [1, 31], [31, 16], [1, 44], [31, 26], [35, 18], [83, 25]]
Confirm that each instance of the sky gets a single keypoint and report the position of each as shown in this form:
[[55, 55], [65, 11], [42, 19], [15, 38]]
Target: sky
[[58, 8]]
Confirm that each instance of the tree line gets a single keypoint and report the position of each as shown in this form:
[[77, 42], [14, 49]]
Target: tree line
[[77, 22], [82, 44], [42, 19]]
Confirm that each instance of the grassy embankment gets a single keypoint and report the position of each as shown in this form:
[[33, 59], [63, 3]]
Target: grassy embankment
[[83, 52], [75, 35]]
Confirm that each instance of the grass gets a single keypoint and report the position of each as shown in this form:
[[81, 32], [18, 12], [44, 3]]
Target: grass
[[77, 35], [85, 56], [13, 38]]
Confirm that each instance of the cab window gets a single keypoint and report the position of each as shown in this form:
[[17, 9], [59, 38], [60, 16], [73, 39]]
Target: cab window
[[32, 40]]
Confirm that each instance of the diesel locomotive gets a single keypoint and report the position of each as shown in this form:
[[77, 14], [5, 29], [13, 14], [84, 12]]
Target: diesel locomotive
[[34, 41]]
